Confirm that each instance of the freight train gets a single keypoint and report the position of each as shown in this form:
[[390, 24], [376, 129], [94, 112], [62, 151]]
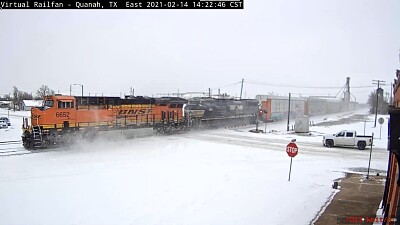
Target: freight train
[[62, 119], [277, 107], [211, 112]]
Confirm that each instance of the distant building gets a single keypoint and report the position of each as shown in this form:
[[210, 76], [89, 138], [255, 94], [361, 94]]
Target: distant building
[[26, 105], [391, 196], [5, 104]]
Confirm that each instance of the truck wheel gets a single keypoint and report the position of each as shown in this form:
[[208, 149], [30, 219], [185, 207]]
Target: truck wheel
[[329, 143], [361, 145]]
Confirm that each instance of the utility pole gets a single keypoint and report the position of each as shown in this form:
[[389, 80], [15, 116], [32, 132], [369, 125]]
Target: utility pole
[[241, 89], [391, 93], [378, 82], [347, 94], [288, 115], [132, 92], [209, 92], [82, 95]]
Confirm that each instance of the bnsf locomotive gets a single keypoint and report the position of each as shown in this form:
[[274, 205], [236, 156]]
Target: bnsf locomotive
[[62, 119]]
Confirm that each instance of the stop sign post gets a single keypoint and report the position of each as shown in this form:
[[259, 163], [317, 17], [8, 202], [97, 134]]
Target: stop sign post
[[291, 150]]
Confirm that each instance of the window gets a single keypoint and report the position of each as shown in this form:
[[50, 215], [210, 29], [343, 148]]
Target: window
[[49, 103], [349, 134], [65, 105], [341, 134]]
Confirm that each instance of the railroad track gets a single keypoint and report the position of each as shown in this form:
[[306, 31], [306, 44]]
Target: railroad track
[[10, 148], [13, 148]]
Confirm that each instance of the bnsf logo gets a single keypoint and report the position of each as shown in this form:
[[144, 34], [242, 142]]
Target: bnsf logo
[[135, 111]]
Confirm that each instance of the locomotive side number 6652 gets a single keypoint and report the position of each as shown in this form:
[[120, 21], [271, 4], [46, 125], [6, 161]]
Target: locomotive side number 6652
[[62, 114]]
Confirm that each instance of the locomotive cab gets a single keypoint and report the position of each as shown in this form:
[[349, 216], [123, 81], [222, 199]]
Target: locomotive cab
[[56, 115], [57, 112]]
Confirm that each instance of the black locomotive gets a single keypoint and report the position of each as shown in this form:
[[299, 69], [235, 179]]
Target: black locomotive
[[211, 112]]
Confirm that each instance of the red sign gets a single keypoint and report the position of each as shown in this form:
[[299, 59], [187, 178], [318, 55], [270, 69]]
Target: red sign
[[291, 149]]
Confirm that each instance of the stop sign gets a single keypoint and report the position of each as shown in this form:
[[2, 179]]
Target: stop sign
[[291, 149]]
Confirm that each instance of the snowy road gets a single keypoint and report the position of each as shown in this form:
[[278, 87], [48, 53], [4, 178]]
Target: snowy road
[[236, 137]]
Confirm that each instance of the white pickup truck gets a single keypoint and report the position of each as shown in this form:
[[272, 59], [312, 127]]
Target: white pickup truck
[[347, 138]]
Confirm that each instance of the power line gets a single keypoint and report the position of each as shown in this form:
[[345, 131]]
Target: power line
[[298, 86], [340, 90], [364, 91], [227, 85]]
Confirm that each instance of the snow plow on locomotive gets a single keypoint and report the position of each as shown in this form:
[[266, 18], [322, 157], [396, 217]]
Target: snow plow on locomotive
[[64, 119]]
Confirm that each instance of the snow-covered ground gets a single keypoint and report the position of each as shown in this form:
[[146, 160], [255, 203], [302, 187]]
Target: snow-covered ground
[[14, 131], [223, 176], [10, 138], [277, 130]]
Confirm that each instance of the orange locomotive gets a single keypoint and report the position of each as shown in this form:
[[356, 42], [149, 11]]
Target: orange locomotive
[[62, 118]]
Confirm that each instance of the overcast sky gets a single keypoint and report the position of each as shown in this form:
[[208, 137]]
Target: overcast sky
[[308, 43]]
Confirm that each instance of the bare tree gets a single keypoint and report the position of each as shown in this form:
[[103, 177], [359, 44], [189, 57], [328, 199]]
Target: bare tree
[[44, 91], [15, 97], [7, 97], [18, 96], [25, 96]]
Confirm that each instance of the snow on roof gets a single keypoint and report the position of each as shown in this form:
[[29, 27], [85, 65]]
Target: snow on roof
[[33, 103], [265, 97], [310, 98], [324, 98]]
